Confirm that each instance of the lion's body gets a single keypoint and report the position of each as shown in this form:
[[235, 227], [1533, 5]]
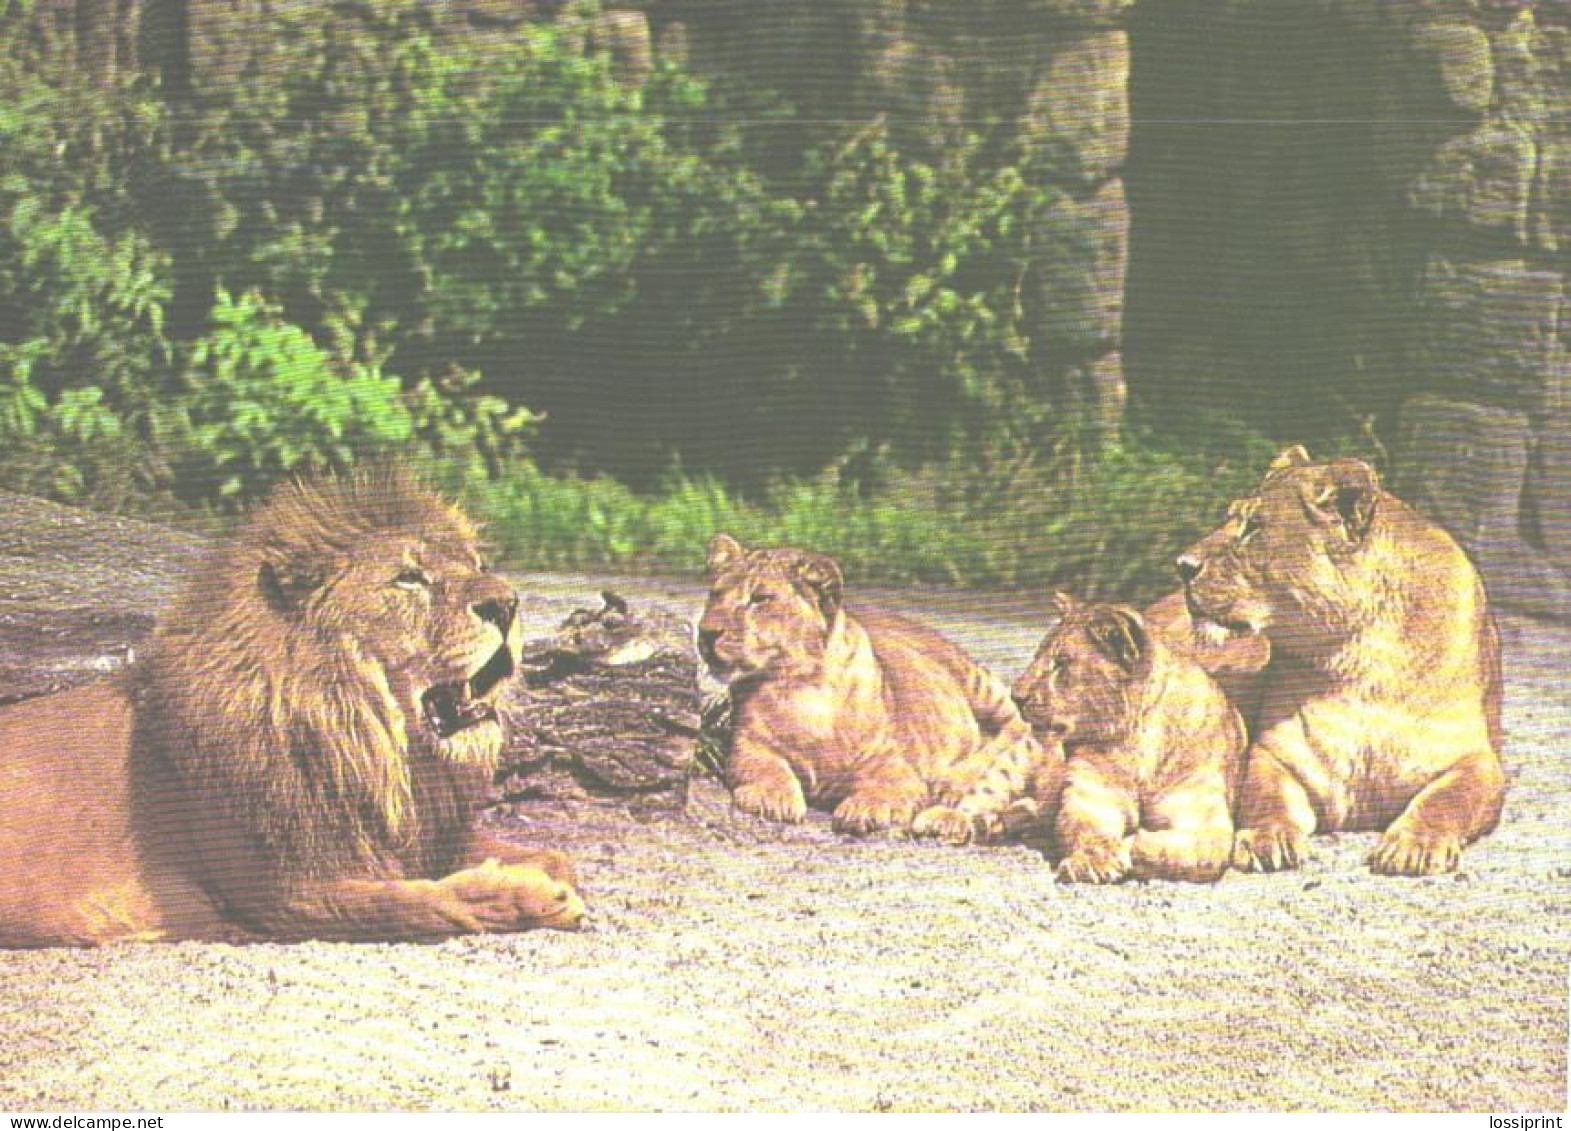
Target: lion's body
[[296, 755], [80, 842], [1381, 704], [866, 713], [1154, 747]]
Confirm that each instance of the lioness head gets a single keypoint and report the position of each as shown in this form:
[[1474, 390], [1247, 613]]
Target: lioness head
[[1085, 683], [1278, 560], [769, 613], [366, 602]]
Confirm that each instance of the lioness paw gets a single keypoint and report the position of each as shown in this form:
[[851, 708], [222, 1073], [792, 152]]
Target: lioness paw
[[944, 823], [771, 802], [1097, 863], [1269, 850], [1406, 853], [868, 813]]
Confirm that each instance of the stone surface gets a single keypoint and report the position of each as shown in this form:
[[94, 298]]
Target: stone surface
[[1483, 180], [1086, 11], [1078, 113], [1453, 60], [78, 592], [1465, 465], [624, 34], [1080, 275], [1549, 223], [1489, 332], [1097, 390], [1548, 498]]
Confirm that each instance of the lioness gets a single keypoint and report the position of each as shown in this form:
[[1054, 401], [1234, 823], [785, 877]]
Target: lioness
[[1154, 748], [1381, 705], [868, 713], [294, 756]]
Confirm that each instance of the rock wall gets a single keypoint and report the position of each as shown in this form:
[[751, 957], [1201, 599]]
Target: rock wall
[[1488, 449]]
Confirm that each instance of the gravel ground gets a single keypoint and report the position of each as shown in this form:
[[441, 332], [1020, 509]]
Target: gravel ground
[[732, 965]]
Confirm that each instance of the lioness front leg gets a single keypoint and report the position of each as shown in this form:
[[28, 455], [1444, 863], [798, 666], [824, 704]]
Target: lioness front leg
[[1275, 815], [1455, 809], [489, 897], [886, 795], [763, 783], [1094, 820]]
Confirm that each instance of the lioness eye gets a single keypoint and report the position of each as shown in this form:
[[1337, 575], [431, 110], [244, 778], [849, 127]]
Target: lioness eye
[[760, 598], [412, 579]]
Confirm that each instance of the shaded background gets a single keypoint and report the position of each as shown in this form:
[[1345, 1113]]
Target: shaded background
[[976, 258]]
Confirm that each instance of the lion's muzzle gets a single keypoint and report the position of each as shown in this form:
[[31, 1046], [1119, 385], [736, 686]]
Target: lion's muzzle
[[453, 707]]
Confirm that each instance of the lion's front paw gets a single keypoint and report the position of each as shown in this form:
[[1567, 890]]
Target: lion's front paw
[[772, 802], [1408, 853], [513, 897], [1269, 849], [944, 823], [1100, 862], [863, 813]]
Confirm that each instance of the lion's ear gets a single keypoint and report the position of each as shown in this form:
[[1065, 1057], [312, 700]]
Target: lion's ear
[[1063, 603], [1296, 456], [822, 575], [1344, 495], [1121, 634], [724, 550], [285, 584]]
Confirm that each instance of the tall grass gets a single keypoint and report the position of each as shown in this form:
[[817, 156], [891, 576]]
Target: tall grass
[[1107, 528]]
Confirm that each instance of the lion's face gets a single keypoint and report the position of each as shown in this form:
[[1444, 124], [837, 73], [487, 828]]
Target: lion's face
[[1277, 560], [1084, 684], [405, 601], [770, 612], [443, 631]]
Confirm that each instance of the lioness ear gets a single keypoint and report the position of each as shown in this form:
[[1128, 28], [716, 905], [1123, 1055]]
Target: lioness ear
[[1121, 634], [1344, 495], [723, 551], [822, 575], [1064, 603], [1296, 456]]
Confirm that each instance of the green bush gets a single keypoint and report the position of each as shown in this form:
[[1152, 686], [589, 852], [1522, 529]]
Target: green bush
[[261, 398], [820, 332]]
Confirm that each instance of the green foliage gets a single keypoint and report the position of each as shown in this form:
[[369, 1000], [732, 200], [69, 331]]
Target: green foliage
[[823, 329], [261, 398]]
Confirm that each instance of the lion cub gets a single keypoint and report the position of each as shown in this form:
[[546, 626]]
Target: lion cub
[[1154, 749], [868, 713]]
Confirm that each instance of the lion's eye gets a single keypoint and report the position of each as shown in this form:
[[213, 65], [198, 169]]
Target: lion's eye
[[412, 579], [757, 598], [1250, 528]]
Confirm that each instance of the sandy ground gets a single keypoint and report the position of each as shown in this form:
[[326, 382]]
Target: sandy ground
[[730, 965]]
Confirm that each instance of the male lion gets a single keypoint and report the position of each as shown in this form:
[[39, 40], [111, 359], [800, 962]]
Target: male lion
[[1154, 748], [294, 756], [1381, 705], [869, 713]]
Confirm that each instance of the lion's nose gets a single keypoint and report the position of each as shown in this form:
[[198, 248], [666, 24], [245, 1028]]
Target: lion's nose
[[496, 610], [707, 639], [1189, 567]]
